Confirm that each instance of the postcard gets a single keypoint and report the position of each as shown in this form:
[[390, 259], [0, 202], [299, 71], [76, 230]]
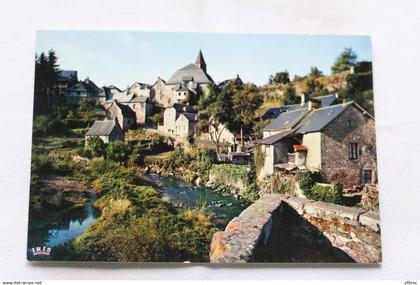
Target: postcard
[[203, 147]]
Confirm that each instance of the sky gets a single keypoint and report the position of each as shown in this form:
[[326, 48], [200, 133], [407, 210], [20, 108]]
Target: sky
[[122, 58]]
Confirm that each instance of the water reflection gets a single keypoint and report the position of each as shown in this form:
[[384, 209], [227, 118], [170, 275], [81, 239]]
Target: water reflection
[[56, 227]]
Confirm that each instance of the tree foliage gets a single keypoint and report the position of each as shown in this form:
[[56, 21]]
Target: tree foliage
[[289, 95], [118, 151], [280, 78], [97, 146], [46, 78], [314, 88], [315, 72], [344, 61]]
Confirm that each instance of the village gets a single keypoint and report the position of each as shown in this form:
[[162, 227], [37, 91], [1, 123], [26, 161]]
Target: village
[[322, 134], [203, 151]]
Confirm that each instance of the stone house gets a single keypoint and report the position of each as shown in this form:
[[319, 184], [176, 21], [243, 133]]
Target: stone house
[[136, 97], [173, 126], [107, 131], [338, 141], [66, 79], [185, 86], [185, 125], [139, 89], [143, 108], [85, 89], [122, 113]]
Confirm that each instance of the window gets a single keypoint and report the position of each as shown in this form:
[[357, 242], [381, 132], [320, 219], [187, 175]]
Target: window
[[367, 176], [353, 151], [350, 123]]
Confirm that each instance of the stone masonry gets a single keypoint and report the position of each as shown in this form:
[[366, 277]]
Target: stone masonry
[[277, 228]]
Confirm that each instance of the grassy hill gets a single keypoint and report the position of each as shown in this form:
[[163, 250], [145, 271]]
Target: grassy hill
[[355, 86]]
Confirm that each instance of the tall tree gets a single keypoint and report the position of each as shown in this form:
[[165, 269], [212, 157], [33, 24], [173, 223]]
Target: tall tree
[[214, 114], [280, 78], [289, 95], [315, 72], [315, 88], [46, 78], [344, 61], [246, 101]]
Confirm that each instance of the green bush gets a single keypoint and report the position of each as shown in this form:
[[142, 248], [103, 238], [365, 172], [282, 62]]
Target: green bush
[[282, 185], [325, 192], [306, 180], [137, 226], [118, 151], [47, 164], [97, 146], [239, 178]]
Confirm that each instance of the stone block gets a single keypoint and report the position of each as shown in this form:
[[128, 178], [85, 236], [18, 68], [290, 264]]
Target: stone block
[[329, 211], [298, 203], [371, 220]]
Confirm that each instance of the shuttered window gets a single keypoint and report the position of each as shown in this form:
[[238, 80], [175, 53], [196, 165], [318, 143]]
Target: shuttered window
[[353, 151]]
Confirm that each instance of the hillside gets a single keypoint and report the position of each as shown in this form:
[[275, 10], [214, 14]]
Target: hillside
[[273, 93]]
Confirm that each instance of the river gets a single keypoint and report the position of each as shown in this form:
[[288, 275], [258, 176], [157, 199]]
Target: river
[[55, 227]]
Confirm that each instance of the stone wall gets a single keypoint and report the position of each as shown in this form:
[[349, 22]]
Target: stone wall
[[350, 127], [281, 229]]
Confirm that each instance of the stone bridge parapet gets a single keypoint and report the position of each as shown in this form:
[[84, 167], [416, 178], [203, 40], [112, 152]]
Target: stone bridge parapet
[[277, 228]]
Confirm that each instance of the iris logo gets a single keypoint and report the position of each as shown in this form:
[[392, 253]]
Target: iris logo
[[41, 250]]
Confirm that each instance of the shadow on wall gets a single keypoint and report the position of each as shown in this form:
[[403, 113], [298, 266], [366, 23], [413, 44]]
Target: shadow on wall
[[296, 240]]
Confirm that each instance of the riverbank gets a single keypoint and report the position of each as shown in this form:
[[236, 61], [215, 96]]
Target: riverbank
[[57, 193], [199, 167]]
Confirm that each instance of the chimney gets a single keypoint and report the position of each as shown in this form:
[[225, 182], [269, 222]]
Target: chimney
[[302, 99], [336, 95], [313, 104]]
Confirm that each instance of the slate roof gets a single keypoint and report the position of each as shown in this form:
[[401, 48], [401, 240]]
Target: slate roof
[[192, 117], [139, 99], [126, 111], [183, 108], [197, 74], [237, 80], [200, 58], [287, 120], [91, 85], [68, 75], [313, 121], [274, 138], [116, 94], [274, 112], [316, 120], [101, 128]]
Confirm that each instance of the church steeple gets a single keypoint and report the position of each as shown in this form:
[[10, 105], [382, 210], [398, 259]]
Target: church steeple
[[199, 62]]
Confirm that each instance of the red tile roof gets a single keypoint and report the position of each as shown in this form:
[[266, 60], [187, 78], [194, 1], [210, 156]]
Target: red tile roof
[[299, 147]]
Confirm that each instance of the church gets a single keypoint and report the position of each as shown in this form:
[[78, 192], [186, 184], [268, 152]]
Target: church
[[185, 86]]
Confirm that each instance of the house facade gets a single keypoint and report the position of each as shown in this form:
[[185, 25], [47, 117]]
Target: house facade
[[107, 130], [185, 86], [122, 113], [66, 79], [185, 125], [142, 106], [178, 121], [338, 141], [85, 89]]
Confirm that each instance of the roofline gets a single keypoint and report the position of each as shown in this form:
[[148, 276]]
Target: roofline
[[264, 129], [285, 106], [363, 110], [348, 104]]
